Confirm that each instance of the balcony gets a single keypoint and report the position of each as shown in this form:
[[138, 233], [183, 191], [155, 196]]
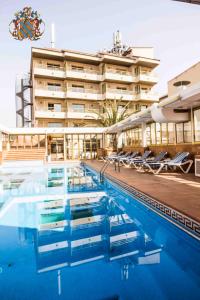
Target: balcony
[[80, 93], [48, 114], [118, 94], [147, 96], [43, 70], [84, 75], [146, 77], [119, 77], [87, 114], [50, 92]]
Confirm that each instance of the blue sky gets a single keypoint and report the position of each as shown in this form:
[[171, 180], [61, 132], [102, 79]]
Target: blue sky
[[172, 28]]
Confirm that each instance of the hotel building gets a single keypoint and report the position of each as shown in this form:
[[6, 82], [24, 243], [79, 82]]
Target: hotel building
[[63, 103], [69, 86]]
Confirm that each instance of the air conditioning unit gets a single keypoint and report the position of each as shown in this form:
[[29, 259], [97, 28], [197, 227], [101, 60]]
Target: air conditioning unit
[[197, 167]]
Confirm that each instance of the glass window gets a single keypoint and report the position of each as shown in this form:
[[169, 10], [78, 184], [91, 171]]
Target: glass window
[[179, 133], [197, 125], [55, 124], [77, 68], [148, 135], [187, 133], [53, 66], [78, 108], [158, 133], [164, 133], [78, 88], [171, 133], [53, 86], [56, 107], [153, 134]]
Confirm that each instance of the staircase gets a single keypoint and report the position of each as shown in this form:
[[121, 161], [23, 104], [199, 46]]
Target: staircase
[[24, 154]]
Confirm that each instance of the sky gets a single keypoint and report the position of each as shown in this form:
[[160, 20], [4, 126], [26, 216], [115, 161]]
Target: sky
[[171, 27]]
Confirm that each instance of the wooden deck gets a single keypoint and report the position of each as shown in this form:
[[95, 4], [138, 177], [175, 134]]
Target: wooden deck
[[177, 190]]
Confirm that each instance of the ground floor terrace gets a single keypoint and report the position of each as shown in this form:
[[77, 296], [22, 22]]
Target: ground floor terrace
[[172, 189]]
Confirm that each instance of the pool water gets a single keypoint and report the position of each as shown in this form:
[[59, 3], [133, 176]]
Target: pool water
[[65, 235]]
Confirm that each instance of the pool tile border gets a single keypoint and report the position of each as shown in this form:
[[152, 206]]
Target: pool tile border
[[186, 223]]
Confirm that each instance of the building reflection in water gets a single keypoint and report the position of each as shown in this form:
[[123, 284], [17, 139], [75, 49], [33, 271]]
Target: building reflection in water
[[87, 225]]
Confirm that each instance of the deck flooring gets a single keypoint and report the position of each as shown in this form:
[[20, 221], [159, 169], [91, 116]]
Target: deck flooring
[[177, 190]]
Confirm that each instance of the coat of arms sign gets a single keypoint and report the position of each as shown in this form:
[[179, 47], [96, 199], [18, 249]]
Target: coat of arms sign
[[27, 24]]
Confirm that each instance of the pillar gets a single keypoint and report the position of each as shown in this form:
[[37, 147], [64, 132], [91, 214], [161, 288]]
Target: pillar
[[144, 137]]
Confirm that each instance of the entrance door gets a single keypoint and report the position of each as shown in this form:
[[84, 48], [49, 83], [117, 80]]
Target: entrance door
[[57, 150]]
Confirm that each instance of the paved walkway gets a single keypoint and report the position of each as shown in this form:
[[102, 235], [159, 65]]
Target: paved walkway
[[177, 190]]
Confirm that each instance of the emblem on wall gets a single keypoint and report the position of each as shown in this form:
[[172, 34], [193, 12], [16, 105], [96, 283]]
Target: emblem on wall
[[27, 24]]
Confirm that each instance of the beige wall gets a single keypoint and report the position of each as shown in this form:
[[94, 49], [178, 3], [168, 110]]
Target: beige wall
[[192, 74]]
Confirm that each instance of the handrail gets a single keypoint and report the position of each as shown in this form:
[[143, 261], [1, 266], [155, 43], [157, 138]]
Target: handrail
[[103, 169]]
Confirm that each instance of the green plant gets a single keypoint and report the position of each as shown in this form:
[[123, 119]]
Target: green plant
[[112, 112]]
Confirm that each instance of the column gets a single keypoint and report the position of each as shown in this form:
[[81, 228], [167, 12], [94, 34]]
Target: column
[[65, 145], [144, 137]]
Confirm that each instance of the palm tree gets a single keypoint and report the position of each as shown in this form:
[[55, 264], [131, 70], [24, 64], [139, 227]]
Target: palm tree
[[112, 112]]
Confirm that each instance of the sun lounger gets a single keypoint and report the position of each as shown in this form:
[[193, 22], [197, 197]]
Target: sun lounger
[[112, 158], [149, 163], [124, 160], [179, 161], [134, 161]]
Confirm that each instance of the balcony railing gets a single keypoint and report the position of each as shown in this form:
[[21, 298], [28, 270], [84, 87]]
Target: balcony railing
[[51, 71], [50, 114], [50, 91], [119, 76], [81, 93], [118, 91], [147, 95], [119, 94], [147, 77], [86, 74]]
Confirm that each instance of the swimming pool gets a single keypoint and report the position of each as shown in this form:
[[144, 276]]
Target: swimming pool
[[66, 235]]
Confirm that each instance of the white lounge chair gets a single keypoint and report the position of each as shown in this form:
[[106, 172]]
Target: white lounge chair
[[179, 161]]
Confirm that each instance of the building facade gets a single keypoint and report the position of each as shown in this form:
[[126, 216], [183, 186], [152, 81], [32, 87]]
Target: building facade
[[172, 125], [69, 86]]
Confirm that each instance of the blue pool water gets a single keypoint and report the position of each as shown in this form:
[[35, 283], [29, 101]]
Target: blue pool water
[[65, 235]]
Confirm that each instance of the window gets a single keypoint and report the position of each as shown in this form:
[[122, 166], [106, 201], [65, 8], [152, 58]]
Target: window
[[148, 134], [79, 124], [121, 71], [121, 88], [77, 68], [183, 133], [171, 133], [179, 133], [78, 88], [53, 66], [187, 132], [78, 108], [137, 89], [56, 107], [164, 133], [153, 134], [120, 108], [54, 86], [158, 133], [55, 124], [197, 125]]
